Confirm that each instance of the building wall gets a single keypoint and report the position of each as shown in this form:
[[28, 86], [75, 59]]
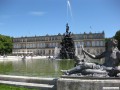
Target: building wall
[[45, 45]]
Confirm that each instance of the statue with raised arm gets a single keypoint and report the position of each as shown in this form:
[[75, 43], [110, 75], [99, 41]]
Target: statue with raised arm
[[110, 67]]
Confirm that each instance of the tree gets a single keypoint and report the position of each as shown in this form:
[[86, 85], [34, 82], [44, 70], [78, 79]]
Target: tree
[[5, 44], [107, 39], [117, 37]]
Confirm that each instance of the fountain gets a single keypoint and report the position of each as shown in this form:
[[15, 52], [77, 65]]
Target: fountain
[[110, 67], [56, 53], [67, 50], [76, 50], [93, 76]]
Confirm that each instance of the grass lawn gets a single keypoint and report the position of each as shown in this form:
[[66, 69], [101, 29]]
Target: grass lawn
[[8, 87]]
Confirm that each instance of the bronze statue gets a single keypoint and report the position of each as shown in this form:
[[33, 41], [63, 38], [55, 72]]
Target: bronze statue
[[67, 28], [67, 33], [110, 66], [67, 50]]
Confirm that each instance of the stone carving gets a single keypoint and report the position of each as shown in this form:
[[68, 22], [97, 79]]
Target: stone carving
[[109, 68], [67, 45]]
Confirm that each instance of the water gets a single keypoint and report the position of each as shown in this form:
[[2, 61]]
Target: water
[[76, 51], [56, 53], [69, 7], [35, 67]]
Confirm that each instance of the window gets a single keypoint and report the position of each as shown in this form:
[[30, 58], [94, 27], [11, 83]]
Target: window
[[97, 43], [101, 43], [93, 43], [88, 43]]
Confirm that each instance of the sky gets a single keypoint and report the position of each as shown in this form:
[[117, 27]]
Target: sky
[[41, 17]]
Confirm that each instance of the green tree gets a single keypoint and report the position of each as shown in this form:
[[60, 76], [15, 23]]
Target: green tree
[[117, 36], [107, 39], [5, 44]]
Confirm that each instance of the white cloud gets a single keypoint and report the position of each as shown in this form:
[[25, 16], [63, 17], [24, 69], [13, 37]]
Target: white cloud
[[37, 13]]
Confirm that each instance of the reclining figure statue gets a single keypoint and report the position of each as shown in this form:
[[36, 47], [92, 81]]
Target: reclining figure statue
[[110, 67]]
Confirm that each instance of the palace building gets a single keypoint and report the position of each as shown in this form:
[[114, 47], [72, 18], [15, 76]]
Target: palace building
[[45, 45]]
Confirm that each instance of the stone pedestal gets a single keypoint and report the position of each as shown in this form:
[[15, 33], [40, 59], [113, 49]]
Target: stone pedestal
[[88, 83]]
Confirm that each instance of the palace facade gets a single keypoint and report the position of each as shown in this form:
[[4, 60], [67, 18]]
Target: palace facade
[[45, 45]]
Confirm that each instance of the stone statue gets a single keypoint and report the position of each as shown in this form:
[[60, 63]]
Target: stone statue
[[110, 67]]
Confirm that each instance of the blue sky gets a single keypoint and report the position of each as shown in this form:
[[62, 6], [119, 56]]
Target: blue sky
[[41, 17]]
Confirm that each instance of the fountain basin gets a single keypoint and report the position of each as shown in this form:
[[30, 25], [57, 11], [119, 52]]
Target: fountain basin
[[88, 83]]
